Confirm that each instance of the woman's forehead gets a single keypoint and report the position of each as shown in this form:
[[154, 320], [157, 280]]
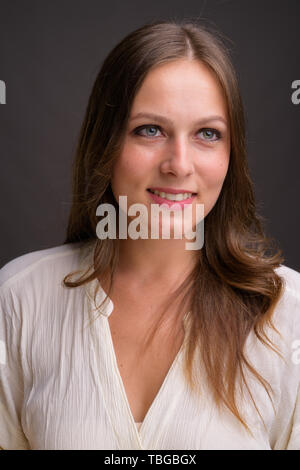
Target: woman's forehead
[[183, 91]]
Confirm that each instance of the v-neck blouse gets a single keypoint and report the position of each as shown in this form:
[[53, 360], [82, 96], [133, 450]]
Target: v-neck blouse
[[138, 425], [60, 386]]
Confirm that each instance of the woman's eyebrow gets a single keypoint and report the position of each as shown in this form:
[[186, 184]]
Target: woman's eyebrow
[[166, 120]]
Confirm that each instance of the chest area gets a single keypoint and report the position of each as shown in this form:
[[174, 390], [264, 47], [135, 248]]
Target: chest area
[[143, 365]]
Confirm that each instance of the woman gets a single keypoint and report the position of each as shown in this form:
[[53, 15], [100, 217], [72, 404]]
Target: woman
[[140, 343]]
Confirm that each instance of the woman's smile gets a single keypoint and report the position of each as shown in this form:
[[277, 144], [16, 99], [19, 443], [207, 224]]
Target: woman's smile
[[179, 200]]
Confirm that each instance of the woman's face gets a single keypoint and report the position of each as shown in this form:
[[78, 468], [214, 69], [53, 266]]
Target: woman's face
[[184, 145]]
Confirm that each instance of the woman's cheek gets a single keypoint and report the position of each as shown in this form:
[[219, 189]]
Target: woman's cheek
[[217, 172]]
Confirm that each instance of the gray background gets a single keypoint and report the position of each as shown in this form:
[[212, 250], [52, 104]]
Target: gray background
[[50, 53]]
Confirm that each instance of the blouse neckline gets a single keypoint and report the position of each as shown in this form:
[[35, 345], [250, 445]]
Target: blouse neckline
[[110, 380]]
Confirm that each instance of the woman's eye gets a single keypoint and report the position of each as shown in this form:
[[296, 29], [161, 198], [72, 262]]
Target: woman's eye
[[208, 133], [150, 127]]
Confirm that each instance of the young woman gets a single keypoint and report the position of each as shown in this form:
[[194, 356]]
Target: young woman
[[130, 342]]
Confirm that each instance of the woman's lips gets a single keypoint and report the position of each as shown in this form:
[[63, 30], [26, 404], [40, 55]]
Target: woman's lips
[[161, 200]]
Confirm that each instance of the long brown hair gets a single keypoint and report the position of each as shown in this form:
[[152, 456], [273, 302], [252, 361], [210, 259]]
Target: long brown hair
[[234, 288]]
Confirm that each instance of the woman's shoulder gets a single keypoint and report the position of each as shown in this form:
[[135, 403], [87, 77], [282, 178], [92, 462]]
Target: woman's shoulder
[[287, 311], [291, 281], [41, 266]]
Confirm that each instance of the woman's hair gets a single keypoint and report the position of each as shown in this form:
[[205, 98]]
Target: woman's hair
[[233, 288]]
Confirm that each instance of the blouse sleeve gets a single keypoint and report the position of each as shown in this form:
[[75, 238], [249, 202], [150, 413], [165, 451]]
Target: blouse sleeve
[[12, 436], [287, 425], [286, 429], [294, 440]]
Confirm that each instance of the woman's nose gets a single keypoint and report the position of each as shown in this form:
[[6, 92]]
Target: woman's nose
[[178, 157]]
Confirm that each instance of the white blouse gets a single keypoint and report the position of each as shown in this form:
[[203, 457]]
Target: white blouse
[[60, 387]]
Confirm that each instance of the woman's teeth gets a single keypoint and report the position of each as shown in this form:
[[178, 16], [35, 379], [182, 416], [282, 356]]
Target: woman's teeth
[[172, 197]]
